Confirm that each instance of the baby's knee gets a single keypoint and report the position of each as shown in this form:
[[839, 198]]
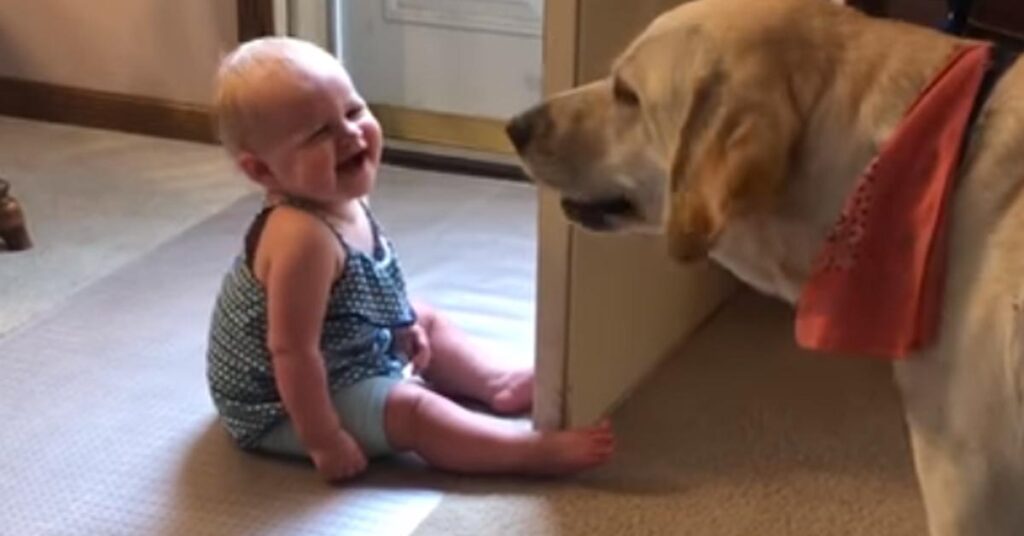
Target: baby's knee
[[426, 315], [438, 325]]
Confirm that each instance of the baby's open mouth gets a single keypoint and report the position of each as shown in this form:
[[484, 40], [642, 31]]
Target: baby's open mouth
[[352, 163]]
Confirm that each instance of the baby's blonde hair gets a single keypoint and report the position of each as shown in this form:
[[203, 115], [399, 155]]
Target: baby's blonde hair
[[262, 61]]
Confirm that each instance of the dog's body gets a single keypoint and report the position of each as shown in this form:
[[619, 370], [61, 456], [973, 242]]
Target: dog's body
[[738, 127]]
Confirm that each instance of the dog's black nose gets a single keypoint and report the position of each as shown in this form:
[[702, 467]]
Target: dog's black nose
[[519, 130], [523, 127]]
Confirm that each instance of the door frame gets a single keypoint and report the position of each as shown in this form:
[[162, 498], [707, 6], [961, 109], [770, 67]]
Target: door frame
[[482, 135], [554, 236], [610, 308], [255, 19]]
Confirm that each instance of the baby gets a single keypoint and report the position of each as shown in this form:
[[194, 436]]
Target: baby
[[312, 327]]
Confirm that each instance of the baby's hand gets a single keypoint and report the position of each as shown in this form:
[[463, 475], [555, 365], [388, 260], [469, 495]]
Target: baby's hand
[[343, 460], [414, 343]]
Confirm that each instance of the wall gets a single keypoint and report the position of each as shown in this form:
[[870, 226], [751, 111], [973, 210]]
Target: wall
[[164, 49]]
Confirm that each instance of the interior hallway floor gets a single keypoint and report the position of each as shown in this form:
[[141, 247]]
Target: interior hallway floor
[[739, 434]]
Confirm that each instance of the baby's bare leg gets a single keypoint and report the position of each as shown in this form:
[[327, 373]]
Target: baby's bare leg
[[453, 438], [459, 368]]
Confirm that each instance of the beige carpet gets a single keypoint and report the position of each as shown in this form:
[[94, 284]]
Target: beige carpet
[[107, 419], [95, 200], [740, 435], [108, 429]]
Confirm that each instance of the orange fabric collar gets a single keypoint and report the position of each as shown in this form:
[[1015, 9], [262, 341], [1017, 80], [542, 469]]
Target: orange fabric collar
[[876, 288]]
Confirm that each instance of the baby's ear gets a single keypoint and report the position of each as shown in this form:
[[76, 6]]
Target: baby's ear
[[255, 168]]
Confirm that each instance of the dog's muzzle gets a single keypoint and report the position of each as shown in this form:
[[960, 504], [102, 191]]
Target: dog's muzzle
[[599, 215]]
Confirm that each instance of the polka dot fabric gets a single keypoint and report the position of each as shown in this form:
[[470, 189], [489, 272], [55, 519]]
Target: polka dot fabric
[[843, 242], [365, 305]]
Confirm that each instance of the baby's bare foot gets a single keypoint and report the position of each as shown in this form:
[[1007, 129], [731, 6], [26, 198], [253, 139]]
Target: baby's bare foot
[[571, 451], [513, 393]]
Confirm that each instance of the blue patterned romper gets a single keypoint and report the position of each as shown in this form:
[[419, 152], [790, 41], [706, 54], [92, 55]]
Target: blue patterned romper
[[366, 304]]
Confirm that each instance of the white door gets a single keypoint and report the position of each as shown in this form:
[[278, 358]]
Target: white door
[[445, 71]]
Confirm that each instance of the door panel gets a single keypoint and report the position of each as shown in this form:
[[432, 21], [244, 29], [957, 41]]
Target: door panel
[[610, 308], [446, 71]]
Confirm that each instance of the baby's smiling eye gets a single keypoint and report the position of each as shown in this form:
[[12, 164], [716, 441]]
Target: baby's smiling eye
[[354, 112], [322, 132]]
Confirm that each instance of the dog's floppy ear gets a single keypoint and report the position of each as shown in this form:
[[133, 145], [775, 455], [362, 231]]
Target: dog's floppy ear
[[732, 155]]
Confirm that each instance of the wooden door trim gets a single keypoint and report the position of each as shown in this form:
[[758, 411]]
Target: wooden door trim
[[255, 19], [554, 236]]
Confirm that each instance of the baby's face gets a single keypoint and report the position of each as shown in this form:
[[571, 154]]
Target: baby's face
[[322, 143]]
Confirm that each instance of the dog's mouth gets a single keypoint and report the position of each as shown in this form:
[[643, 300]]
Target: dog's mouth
[[605, 214]]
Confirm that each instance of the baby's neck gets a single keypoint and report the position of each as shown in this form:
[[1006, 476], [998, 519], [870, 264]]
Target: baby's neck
[[348, 219], [347, 211]]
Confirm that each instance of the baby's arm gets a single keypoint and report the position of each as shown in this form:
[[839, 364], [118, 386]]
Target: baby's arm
[[302, 261]]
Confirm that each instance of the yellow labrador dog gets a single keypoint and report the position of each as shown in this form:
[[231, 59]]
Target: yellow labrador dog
[[737, 128]]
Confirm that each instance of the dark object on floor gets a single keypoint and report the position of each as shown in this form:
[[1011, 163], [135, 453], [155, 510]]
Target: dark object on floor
[[13, 230], [452, 164]]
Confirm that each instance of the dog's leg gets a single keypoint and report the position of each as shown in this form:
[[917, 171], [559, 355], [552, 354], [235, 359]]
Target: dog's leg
[[965, 492], [964, 413]]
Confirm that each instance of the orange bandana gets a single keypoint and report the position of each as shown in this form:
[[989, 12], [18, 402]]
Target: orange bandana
[[876, 288]]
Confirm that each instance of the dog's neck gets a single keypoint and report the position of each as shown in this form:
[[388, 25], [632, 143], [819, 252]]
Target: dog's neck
[[872, 79]]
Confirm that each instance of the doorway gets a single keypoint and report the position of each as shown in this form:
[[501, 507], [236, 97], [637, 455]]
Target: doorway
[[439, 77]]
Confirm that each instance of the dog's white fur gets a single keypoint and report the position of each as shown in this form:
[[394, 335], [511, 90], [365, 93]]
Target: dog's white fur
[[737, 128]]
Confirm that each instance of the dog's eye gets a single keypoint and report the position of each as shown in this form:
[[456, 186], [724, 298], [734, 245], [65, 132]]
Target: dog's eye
[[624, 94]]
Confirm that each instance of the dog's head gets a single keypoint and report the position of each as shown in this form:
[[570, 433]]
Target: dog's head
[[694, 126]]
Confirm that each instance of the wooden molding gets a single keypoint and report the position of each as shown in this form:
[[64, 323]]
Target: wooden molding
[[433, 161], [453, 130], [100, 109], [157, 117], [128, 113], [554, 238], [255, 19]]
